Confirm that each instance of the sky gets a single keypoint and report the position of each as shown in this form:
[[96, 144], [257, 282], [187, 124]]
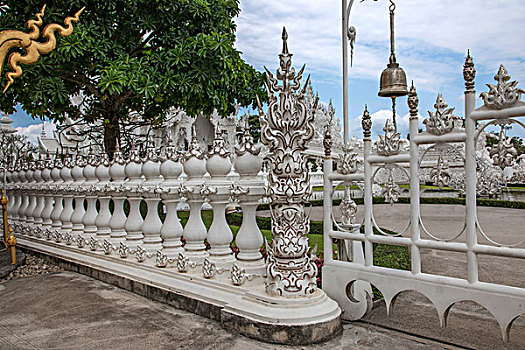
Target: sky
[[432, 38]]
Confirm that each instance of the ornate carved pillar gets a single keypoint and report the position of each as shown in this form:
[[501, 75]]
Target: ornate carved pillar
[[286, 129]]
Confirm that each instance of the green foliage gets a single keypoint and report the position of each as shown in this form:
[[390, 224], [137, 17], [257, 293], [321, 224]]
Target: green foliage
[[133, 56], [255, 127]]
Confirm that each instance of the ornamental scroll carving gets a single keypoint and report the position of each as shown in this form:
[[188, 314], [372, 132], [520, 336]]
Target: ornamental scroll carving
[[286, 129], [442, 120], [504, 94]]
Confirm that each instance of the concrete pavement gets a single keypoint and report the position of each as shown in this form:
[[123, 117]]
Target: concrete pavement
[[71, 311]]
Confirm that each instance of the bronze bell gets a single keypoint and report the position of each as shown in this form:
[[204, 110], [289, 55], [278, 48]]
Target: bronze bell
[[393, 81]]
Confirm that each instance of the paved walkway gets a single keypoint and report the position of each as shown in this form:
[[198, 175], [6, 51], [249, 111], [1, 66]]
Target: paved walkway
[[71, 311]]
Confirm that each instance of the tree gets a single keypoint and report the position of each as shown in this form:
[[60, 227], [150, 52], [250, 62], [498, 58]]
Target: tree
[[138, 57]]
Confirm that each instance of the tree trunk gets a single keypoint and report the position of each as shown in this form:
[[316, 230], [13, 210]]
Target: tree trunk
[[111, 135]]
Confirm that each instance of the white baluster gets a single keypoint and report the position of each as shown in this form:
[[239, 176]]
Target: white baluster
[[57, 191], [67, 212], [171, 231], [28, 212], [104, 215], [24, 192], [220, 235], [118, 219], [39, 193], [195, 231], [90, 217], [250, 190], [134, 221], [15, 193], [48, 195], [79, 191], [152, 224]]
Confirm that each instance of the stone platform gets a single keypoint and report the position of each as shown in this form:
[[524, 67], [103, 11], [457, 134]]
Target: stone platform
[[246, 309]]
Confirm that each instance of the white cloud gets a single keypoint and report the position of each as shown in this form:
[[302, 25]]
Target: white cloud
[[378, 122], [32, 131], [432, 37]]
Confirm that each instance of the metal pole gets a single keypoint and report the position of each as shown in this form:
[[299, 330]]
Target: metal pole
[[345, 17]]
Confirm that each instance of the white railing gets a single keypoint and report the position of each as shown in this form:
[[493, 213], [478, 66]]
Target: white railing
[[56, 200], [348, 279]]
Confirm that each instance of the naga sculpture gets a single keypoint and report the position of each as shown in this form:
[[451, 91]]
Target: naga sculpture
[[10, 39]]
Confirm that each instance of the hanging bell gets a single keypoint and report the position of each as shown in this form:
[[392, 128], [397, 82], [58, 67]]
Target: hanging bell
[[393, 81]]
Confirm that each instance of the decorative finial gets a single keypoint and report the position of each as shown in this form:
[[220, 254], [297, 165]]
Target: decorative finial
[[327, 140], [366, 123], [247, 144], [194, 150], [218, 145], [117, 155], [469, 73], [285, 41], [413, 101]]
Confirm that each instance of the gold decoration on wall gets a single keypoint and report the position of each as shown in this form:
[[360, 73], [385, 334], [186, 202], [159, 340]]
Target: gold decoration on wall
[[10, 39]]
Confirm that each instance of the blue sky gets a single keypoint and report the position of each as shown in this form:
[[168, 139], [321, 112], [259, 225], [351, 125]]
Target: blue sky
[[432, 38]]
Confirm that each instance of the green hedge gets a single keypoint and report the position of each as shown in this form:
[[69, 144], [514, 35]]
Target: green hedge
[[482, 202]]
